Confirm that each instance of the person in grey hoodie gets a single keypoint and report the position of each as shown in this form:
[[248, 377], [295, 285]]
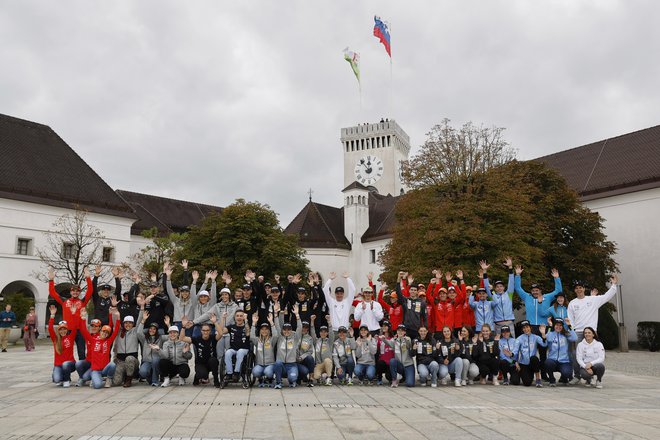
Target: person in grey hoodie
[[204, 302], [126, 350], [151, 342], [342, 355], [287, 354], [365, 352], [174, 357], [305, 348], [323, 348], [264, 343], [402, 362], [226, 305]]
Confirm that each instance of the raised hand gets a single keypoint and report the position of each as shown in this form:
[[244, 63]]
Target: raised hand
[[115, 271], [370, 276], [213, 318], [542, 329], [145, 315], [313, 318], [51, 273], [345, 274], [255, 319], [136, 277], [167, 269], [195, 276], [594, 292], [448, 276], [383, 285], [83, 314], [484, 265], [614, 279], [508, 262], [555, 273], [186, 348], [297, 278], [310, 279], [213, 275], [114, 301], [270, 318], [53, 310], [295, 310], [86, 272], [97, 270], [410, 279], [459, 274], [207, 276], [332, 275], [277, 278], [166, 320], [184, 264], [519, 269], [153, 277]]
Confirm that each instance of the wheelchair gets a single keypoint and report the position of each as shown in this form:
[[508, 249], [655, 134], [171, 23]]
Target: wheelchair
[[245, 377]]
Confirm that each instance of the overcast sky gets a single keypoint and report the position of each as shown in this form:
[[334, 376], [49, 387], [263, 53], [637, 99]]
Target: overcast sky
[[212, 101]]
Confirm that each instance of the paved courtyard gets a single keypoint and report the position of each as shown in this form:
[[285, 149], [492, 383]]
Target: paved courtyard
[[33, 408]]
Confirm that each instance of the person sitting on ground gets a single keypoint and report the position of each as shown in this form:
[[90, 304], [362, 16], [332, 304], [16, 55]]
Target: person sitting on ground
[[426, 354], [100, 349], [264, 367], [449, 355], [174, 357], [591, 358], [206, 359], [558, 359], [63, 342], [365, 353], [402, 362], [342, 355]]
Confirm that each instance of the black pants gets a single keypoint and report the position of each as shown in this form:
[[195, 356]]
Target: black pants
[[598, 369], [383, 368], [81, 345], [168, 369], [509, 372], [488, 367], [526, 372], [203, 368], [543, 352]]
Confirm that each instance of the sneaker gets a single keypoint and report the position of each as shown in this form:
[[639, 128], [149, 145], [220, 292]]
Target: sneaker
[[380, 382], [216, 383], [496, 382], [80, 383], [470, 382], [464, 383], [4, 350], [292, 385], [328, 382], [310, 384], [434, 385], [166, 383], [182, 381], [538, 383], [552, 384], [444, 381], [587, 383], [108, 382], [506, 382], [599, 384], [66, 384], [58, 384], [575, 381], [278, 386], [422, 384], [457, 383], [350, 381], [155, 384], [394, 384]]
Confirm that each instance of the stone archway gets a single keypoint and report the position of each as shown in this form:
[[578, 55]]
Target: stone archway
[[31, 293]]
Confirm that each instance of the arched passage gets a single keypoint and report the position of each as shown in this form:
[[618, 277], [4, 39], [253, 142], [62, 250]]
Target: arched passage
[[22, 295]]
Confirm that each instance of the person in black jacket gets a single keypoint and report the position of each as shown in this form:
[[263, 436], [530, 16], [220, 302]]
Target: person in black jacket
[[157, 304], [486, 354], [101, 294], [424, 350]]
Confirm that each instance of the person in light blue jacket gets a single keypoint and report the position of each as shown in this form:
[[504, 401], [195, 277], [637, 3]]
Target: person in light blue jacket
[[558, 359], [508, 352], [535, 305], [528, 364], [483, 309], [502, 300], [557, 309]]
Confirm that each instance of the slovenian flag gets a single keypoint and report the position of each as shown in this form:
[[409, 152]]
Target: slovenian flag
[[382, 32], [353, 59]]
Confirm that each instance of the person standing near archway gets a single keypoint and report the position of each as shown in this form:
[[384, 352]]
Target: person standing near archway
[[29, 329], [7, 320]]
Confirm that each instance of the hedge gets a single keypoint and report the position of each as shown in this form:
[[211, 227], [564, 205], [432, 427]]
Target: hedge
[[648, 335]]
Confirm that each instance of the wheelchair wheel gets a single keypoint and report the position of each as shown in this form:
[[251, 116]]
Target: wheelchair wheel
[[221, 373]]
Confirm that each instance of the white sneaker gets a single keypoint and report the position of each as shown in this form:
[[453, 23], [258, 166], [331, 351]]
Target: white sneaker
[[575, 381], [444, 381], [599, 384], [434, 385], [58, 384], [66, 384], [349, 381], [422, 384], [463, 383], [495, 382], [457, 383], [108, 382], [328, 382], [470, 382], [166, 382], [182, 381]]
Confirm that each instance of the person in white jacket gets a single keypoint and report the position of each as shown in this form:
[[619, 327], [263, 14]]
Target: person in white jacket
[[369, 312], [339, 305], [591, 358], [583, 312]]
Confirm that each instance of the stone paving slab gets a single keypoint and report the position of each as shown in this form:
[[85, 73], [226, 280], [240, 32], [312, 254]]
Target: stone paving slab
[[33, 408]]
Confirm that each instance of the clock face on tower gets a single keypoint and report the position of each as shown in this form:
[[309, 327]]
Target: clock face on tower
[[368, 170]]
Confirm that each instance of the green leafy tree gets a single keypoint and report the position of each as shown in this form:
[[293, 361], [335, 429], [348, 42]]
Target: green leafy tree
[[500, 208], [245, 235]]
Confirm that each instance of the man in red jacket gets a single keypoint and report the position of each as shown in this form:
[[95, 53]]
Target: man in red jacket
[[73, 303]]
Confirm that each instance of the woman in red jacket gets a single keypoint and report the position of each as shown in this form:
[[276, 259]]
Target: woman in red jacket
[[63, 343], [99, 353]]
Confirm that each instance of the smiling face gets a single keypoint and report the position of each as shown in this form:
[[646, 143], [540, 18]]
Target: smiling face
[[185, 294], [446, 333], [423, 331], [499, 288], [104, 293], [413, 292], [203, 299], [442, 296], [483, 296], [561, 300], [128, 325], [579, 291], [264, 332], [153, 331], [62, 330], [75, 291], [558, 327], [451, 295], [364, 332], [485, 332], [401, 332], [588, 335], [527, 329], [224, 297], [239, 317], [465, 334], [536, 292], [173, 335]]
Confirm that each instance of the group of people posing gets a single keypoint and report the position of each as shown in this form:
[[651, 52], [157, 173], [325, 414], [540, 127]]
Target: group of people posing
[[327, 332]]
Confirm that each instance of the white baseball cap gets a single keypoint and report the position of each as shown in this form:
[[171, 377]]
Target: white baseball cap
[[129, 318], [225, 290], [203, 293], [173, 328]]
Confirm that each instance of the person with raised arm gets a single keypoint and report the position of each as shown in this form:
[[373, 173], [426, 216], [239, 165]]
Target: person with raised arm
[[414, 307], [340, 304], [264, 363], [204, 302], [591, 358], [392, 307], [63, 341], [238, 343], [101, 297], [99, 351], [583, 312], [174, 357], [184, 304], [536, 303], [73, 303], [528, 364], [323, 349], [206, 359], [286, 352], [369, 312], [151, 342], [502, 299]]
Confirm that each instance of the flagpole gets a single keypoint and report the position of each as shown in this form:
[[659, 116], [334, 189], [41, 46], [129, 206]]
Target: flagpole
[[391, 80]]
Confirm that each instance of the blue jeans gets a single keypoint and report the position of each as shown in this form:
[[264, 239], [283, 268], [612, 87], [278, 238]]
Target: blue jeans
[[97, 376], [368, 371], [290, 369], [62, 373], [408, 372], [455, 366], [428, 370], [306, 366], [149, 369], [565, 368], [240, 355], [258, 371], [82, 368], [347, 368]]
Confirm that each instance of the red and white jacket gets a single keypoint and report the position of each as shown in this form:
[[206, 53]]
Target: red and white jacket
[[68, 342], [99, 349]]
